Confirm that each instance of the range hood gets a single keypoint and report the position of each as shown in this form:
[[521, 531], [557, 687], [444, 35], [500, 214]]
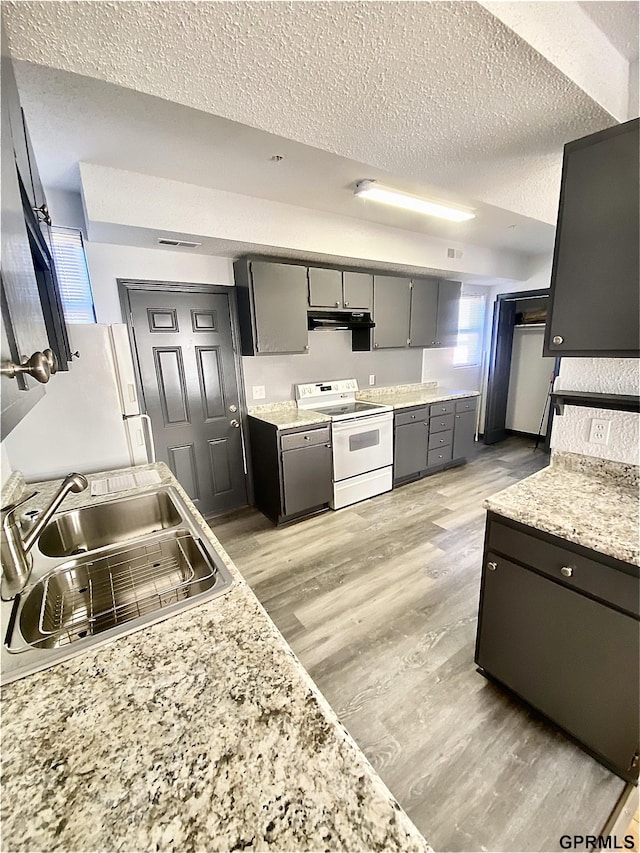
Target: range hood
[[358, 322], [345, 320]]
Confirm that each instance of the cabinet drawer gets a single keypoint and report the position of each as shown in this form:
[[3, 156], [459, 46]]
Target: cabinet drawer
[[440, 423], [581, 573], [467, 404], [412, 415], [441, 439], [439, 455], [447, 407], [307, 438]]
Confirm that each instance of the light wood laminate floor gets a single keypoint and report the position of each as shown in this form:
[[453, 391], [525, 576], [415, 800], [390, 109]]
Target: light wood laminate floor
[[379, 601]]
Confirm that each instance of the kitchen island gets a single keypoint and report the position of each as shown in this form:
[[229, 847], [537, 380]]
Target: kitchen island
[[560, 602], [201, 732]]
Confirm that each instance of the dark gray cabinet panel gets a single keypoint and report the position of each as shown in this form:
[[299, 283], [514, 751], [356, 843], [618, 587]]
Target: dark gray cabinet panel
[[292, 471], [448, 309], [464, 431], [325, 288], [424, 312], [272, 307], [391, 311], [280, 307], [410, 453], [306, 477], [357, 290], [572, 658], [594, 301]]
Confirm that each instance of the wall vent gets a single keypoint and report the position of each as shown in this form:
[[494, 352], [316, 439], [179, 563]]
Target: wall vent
[[187, 244], [454, 253]]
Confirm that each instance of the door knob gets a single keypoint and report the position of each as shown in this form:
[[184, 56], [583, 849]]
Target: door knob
[[37, 366], [235, 423], [52, 360]]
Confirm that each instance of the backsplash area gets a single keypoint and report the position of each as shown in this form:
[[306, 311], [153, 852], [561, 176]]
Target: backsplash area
[[600, 375], [329, 357]]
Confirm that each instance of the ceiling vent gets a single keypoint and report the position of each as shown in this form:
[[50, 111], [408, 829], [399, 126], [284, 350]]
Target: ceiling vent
[[186, 244]]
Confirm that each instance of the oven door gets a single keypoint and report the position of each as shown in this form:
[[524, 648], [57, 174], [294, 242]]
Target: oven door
[[362, 444]]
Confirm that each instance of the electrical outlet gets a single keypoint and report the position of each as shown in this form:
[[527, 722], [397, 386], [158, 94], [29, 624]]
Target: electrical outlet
[[372, 379], [600, 430], [258, 392]]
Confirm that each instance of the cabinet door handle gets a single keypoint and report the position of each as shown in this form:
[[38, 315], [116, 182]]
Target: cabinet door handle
[[558, 339], [567, 571], [492, 566]]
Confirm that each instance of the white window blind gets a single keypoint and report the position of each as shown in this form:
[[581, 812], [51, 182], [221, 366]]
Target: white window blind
[[468, 350], [73, 275]]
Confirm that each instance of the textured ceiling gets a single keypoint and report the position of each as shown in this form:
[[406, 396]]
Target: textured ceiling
[[440, 93], [619, 21], [435, 94]]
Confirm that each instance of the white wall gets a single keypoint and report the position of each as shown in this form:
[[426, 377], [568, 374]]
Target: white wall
[[528, 381], [603, 375], [107, 263]]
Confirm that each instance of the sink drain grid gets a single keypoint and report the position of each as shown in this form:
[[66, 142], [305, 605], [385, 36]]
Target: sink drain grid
[[94, 595]]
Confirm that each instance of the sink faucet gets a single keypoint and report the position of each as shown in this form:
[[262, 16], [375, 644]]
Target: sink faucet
[[14, 550]]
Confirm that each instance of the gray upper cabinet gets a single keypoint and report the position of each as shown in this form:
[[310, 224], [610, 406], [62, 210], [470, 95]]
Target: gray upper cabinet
[[272, 307], [391, 311], [23, 326], [594, 300], [448, 310], [340, 289], [424, 312], [357, 290], [325, 288]]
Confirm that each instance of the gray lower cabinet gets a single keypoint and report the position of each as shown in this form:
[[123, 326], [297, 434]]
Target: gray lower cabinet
[[391, 311], [430, 438], [272, 307], [291, 469], [558, 626]]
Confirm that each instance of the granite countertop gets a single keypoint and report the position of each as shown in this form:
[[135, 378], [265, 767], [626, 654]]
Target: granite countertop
[[287, 415], [201, 732], [419, 394], [591, 502]]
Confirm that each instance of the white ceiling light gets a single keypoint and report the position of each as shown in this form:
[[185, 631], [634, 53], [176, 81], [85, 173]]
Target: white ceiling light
[[386, 195]]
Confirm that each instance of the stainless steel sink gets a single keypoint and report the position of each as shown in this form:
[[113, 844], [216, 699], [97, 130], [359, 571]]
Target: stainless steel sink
[[147, 559], [108, 523]]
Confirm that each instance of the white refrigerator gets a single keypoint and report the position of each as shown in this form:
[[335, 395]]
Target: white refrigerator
[[89, 419]]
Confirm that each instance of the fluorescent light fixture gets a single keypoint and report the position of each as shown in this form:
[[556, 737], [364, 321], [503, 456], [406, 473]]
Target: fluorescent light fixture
[[377, 192]]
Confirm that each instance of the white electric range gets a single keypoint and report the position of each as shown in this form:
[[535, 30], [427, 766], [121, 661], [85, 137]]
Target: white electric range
[[362, 438]]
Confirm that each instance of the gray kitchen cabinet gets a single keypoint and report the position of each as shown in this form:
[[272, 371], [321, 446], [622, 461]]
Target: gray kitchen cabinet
[[325, 288], [330, 288], [291, 469], [464, 432], [594, 305], [23, 326], [391, 311], [424, 312], [448, 310], [558, 626], [272, 307], [430, 438], [357, 290], [410, 443]]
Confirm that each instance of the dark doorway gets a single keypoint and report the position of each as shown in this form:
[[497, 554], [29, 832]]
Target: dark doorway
[[182, 340], [508, 311]]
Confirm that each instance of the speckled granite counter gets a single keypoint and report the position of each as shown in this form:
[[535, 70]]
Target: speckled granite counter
[[202, 732], [591, 502], [287, 415], [420, 394]]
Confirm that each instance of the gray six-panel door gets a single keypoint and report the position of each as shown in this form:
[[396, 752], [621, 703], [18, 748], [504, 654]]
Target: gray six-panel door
[[184, 351]]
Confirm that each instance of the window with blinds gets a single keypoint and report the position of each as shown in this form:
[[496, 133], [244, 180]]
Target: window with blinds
[[468, 351], [73, 275]]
